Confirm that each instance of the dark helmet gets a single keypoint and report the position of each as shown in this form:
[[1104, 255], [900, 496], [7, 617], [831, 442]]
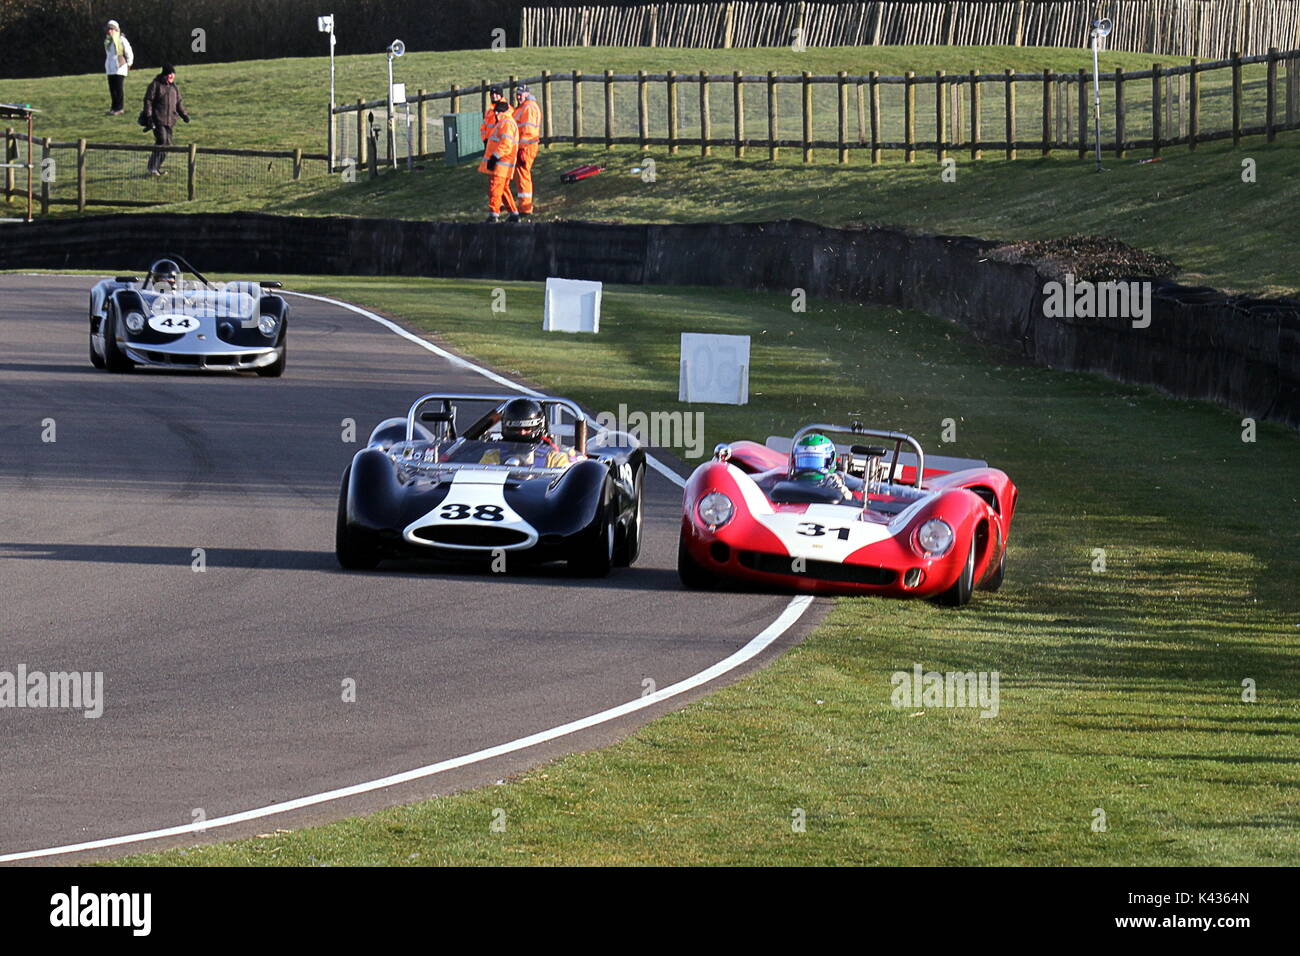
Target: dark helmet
[[522, 419], [165, 270]]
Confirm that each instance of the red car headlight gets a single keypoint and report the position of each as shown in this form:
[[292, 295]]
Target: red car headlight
[[934, 538], [715, 509]]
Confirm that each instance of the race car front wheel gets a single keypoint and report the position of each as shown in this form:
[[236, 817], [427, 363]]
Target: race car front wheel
[[597, 556], [629, 544], [114, 360], [960, 593], [353, 553], [276, 368]]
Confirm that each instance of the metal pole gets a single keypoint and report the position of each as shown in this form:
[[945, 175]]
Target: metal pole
[[1096, 98], [392, 129]]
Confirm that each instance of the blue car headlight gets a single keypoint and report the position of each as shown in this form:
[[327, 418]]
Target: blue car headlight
[[134, 322], [267, 325]]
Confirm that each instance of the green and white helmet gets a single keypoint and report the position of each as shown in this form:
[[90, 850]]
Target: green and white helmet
[[814, 457]]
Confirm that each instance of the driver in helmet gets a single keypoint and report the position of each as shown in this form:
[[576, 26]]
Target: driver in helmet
[[814, 462], [164, 276], [523, 421]]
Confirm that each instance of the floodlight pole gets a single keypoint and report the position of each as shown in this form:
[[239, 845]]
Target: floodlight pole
[[1096, 95], [392, 130]]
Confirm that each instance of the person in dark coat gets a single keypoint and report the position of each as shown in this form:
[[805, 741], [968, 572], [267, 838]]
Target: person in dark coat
[[162, 105]]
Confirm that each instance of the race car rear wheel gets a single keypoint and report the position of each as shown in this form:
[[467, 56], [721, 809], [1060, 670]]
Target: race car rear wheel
[[629, 545], [276, 368], [692, 575], [960, 593], [95, 358], [114, 360], [353, 553]]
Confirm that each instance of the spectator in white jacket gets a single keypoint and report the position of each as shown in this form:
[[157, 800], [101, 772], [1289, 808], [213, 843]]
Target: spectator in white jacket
[[118, 57]]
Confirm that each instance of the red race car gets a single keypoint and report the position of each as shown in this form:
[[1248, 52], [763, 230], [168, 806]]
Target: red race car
[[810, 515]]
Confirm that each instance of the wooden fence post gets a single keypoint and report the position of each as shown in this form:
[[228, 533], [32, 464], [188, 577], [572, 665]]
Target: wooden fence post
[[1194, 121], [975, 151], [45, 183], [772, 118], [1236, 98], [1083, 113], [297, 164], [909, 117], [874, 99], [940, 118], [455, 98], [706, 126], [577, 107], [81, 175], [860, 95], [422, 118], [1047, 112], [1270, 107], [483, 96], [1119, 113], [1157, 90], [1011, 113], [609, 109], [642, 110], [1020, 23], [548, 125], [843, 89], [11, 156], [672, 112], [807, 117], [738, 109], [191, 172], [361, 134]]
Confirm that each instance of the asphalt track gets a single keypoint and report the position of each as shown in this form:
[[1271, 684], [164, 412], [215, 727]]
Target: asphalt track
[[223, 689]]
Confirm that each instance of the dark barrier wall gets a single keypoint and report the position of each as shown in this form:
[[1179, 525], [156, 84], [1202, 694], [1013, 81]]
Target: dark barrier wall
[[1241, 352]]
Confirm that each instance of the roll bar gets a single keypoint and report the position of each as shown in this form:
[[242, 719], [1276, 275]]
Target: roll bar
[[898, 438], [546, 401]]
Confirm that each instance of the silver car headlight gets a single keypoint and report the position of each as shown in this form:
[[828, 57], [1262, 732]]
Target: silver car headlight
[[134, 321], [935, 537], [715, 509], [267, 325]]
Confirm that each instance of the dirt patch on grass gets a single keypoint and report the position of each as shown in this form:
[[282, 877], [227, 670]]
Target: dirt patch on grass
[[1094, 258]]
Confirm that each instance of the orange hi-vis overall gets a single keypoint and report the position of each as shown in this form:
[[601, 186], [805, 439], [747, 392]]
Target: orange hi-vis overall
[[528, 116], [489, 120], [503, 143]]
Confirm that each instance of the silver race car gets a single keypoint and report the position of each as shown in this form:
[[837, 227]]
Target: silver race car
[[169, 321]]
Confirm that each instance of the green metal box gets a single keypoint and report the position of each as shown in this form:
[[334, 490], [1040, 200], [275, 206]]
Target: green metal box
[[460, 137]]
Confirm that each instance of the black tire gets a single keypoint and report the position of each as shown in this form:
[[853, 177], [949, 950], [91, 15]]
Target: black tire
[[95, 360], [693, 577], [353, 554], [276, 368], [997, 577], [597, 557], [629, 545], [959, 594], [114, 360]]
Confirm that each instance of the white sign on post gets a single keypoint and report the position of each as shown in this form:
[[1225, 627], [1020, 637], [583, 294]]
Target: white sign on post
[[399, 93], [572, 305], [714, 369]]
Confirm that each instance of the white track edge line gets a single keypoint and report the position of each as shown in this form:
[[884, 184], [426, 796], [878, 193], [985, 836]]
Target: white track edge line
[[760, 642]]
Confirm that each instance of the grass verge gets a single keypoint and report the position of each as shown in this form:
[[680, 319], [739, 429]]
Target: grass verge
[[1121, 690]]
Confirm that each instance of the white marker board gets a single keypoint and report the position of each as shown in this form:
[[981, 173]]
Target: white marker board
[[572, 305], [714, 369]]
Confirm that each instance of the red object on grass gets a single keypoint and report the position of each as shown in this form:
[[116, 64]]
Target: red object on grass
[[580, 172]]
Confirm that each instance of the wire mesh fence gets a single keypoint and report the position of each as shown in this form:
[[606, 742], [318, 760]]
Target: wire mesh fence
[[887, 116]]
